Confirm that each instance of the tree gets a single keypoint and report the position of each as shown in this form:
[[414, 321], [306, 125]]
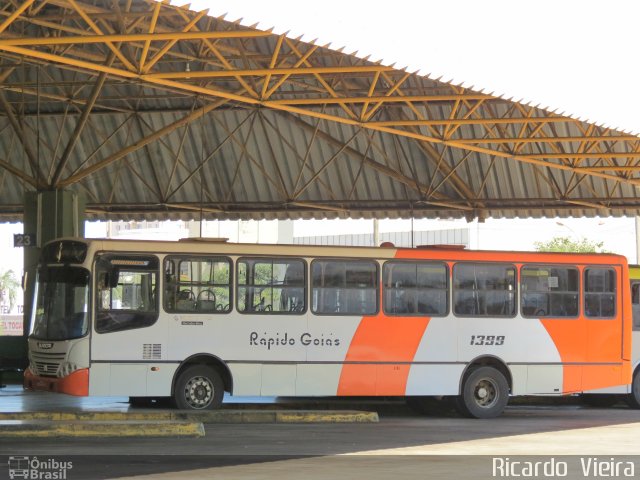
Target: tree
[[9, 288], [566, 244]]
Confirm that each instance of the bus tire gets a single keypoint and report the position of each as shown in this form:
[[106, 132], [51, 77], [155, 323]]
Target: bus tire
[[485, 393], [633, 399], [198, 387]]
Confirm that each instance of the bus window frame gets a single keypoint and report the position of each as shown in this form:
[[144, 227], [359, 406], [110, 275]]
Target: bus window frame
[[198, 256], [447, 288], [636, 321], [616, 298], [98, 288], [305, 284], [552, 265], [516, 293], [377, 287]]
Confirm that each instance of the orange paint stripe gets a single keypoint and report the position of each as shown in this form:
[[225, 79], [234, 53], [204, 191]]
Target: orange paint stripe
[[381, 339]]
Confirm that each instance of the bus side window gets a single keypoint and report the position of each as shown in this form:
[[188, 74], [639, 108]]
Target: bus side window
[[415, 288], [198, 284], [635, 304], [484, 290], [599, 292], [549, 291], [344, 287], [271, 285]]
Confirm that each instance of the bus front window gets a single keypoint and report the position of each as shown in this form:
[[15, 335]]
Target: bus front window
[[61, 309]]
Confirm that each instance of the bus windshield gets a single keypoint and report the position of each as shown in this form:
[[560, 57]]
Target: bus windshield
[[62, 298]]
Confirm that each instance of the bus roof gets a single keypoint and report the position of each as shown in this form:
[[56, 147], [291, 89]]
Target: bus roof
[[439, 252]]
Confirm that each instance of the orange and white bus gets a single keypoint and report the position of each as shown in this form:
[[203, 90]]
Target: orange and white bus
[[194, 319]]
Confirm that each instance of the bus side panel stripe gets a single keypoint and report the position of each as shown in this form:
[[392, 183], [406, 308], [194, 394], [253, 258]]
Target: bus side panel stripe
[[570, 339], [381, 339], [578, 341]]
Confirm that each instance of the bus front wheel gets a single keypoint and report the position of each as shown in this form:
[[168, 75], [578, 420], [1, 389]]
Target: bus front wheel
[[485, 393], [198, 387], [634, 397]]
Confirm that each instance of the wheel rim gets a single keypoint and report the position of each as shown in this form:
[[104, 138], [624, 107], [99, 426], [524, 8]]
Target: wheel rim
[[198, 392], [485, 393]]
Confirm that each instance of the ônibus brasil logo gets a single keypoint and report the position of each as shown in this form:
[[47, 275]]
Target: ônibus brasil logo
[[38, 469]]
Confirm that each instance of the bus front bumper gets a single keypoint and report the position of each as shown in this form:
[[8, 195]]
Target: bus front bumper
[[76, 383]]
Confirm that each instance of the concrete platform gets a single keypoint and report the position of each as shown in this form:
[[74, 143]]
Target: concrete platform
[[43, 414], [111, 428], [209, 417]]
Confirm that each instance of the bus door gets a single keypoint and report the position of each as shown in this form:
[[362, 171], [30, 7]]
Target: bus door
[[126, 333], [603, 313], [635, 306]]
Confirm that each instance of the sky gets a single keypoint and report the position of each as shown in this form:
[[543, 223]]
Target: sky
[[577, 57]]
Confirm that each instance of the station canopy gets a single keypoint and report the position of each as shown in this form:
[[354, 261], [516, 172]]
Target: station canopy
[[153, 111]]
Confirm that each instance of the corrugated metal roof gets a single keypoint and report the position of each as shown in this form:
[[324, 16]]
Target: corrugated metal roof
[[292, 130]]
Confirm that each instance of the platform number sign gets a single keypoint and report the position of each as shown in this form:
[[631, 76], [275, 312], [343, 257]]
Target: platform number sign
[[24, 240]]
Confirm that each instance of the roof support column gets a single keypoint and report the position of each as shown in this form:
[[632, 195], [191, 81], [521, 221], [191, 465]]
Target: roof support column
[[48, 215]]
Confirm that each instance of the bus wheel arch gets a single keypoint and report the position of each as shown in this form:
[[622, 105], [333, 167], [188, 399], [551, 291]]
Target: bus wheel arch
[[211, 369], [484, 388]]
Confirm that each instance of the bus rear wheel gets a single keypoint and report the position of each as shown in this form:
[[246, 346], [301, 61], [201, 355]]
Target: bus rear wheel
[[633, 399], [198, 387], [485, 393]]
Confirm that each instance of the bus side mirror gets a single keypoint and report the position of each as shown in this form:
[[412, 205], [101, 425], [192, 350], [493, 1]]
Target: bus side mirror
[[114, 276], [108, 280]]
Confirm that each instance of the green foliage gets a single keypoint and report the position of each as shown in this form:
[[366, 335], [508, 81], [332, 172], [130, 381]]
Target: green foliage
[[9, 286], [566, 244]]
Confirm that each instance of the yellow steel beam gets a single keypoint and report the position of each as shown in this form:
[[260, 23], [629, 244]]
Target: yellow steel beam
[[169, 45], [605, 168], [284, 78], [321, 80], [385, 127], [147, 43], [16, 13], [18, 172], [69, 61], [634, 154], [612, 138], [129, 37], [97, 30], [584, 203], [259, 72], [391, 91], [472, 121], [219, 56], [318, 206], [372, 89], [272, 65]]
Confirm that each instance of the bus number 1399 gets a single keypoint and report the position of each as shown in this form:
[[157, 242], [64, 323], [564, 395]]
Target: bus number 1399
[[487, 340]]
